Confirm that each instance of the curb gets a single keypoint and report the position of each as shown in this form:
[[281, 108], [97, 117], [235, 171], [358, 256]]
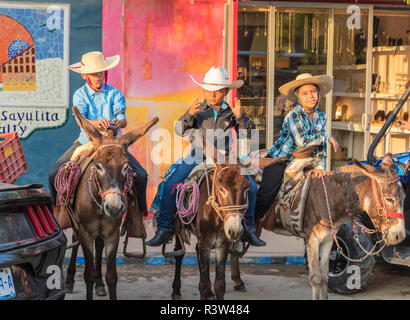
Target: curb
[[192, 260]]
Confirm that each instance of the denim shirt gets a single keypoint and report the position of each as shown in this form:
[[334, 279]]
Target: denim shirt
[[109, 104]]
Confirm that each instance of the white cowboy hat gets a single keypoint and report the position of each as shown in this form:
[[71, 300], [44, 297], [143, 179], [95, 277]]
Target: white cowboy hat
[[216, 79], [93, 62], [324, 82]]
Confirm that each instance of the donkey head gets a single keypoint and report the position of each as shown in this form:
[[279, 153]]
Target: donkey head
[[385, 199], [231, 188], [111, 175]]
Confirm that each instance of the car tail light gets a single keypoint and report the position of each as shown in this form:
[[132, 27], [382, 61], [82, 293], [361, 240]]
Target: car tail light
[[49, 215], [42, 220]]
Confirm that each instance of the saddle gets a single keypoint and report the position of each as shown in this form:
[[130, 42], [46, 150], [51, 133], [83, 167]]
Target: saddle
[[132, 225], [292, 195], [197, 175]]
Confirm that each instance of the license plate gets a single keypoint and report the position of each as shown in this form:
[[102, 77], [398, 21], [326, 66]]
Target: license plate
[[7, 290]]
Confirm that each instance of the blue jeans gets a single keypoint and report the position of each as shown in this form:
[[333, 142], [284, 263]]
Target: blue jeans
[[167, 207]]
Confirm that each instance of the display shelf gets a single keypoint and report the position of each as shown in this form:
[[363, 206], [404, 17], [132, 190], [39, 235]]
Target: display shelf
[[347, 126], [391, 49], [381, 96], [357, 127], [349, 94], [322, 67]]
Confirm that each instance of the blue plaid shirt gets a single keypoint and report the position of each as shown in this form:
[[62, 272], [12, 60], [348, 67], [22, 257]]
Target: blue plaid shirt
[[299, 131]]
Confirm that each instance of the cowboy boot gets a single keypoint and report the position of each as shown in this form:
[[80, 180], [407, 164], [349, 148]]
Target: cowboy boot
[[160, 238], [250, 237]]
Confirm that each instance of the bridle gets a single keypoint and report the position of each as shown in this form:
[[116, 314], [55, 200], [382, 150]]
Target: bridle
[[223, 212], [381, 209], [128, 185], [382, 212]]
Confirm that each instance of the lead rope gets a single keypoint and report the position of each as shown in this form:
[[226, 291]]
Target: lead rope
[[356, 237]]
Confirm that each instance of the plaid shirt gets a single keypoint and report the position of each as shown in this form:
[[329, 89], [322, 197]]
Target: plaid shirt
[[299, 131]]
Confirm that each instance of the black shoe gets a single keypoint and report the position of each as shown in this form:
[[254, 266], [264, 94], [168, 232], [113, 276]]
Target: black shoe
[[160, 238], [250, 236]]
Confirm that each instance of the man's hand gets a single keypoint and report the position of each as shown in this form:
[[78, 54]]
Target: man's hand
[[404, 125], [194, 108], [117, 123], [236, 108], [334, 144], [318, 173], [101, 124]]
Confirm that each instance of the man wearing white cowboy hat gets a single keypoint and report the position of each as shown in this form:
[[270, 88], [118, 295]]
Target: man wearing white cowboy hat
[[212, 113], [104, 106], [303, 126]]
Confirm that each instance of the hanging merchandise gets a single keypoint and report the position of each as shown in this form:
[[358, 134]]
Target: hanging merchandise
[[317, 33], [246, 24], [281, 33], [293, 33], [306, 33], [313, 34], [266, 23], [290, 36], [257, 24], [276, 31], [325, 39]]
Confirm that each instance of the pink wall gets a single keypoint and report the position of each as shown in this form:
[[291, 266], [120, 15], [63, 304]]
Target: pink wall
[[160, 43]]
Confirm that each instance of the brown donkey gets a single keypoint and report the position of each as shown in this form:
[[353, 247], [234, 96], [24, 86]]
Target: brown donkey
[[351, 189], [101, 200], [222, 204]]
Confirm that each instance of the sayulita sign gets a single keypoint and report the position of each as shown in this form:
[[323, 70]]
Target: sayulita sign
[[34, 79]]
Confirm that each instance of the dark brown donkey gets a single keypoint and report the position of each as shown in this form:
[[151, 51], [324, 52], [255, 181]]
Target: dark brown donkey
[[351, 189], [222, 204], [101, 200]]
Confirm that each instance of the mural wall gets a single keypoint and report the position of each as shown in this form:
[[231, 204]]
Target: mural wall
[[161, 43], [43, 147], [34, 91]]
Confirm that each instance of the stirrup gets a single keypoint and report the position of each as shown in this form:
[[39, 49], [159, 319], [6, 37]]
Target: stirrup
[[133, 254], [176, 253]]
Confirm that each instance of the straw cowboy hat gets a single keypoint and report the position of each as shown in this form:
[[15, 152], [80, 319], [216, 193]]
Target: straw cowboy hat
[[324, 82], [93, 62], [216, 79]]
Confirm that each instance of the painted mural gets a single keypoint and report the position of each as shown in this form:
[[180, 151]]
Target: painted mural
[[34, 87], [161, 43]]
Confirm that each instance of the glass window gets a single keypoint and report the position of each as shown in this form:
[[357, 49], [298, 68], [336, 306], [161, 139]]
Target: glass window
[[349, 80], [300, 47], [252, 65]]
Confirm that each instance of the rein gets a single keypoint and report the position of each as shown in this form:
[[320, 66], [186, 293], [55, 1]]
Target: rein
[[379, 208], [223, 212]]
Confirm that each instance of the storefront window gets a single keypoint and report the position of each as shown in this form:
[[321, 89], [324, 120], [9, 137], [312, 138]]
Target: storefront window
[[252, 65], [390, 73], [300, 47], [349, 92]]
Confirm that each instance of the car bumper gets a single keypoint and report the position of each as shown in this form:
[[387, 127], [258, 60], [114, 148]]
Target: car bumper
[[37, 269]]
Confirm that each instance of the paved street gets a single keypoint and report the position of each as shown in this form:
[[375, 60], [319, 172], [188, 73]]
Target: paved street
[[265, 281]]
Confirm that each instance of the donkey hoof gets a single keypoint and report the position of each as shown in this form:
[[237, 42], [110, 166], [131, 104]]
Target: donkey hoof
[[211, 295], [100, 291], [240, 287], [176, 296], [69, 287]]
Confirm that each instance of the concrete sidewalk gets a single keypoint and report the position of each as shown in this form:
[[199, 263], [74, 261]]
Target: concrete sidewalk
[[279, 250]]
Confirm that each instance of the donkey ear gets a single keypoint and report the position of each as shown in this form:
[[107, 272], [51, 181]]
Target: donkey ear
[[92, 133], [132, 136], [388, 163], [364, 170]]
